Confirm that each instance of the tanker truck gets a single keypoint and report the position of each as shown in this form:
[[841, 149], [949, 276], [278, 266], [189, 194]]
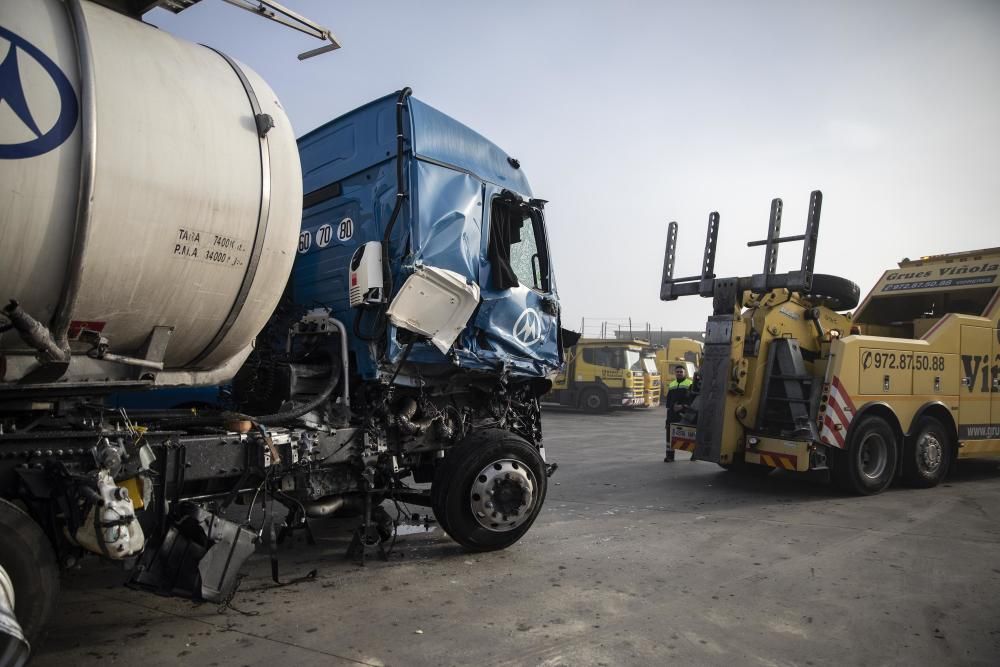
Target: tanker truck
[[380, 292]]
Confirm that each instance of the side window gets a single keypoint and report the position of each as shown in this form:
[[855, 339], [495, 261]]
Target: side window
[[589, 356], [517, 249], [524, 257]]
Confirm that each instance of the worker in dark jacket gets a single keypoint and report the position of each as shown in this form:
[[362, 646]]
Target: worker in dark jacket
[[678, 396]]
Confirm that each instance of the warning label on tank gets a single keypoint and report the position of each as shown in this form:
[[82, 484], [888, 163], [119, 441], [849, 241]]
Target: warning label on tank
[[210, 247]]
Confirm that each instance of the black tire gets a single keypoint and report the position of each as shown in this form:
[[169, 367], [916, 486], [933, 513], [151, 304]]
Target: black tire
[[439, 487], [834, 292], [452, 491], [593, 401], [928, 453], [869, 463], [27, 557]]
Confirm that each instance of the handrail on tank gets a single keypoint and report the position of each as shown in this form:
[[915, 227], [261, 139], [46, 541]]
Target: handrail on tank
[[88, 165]]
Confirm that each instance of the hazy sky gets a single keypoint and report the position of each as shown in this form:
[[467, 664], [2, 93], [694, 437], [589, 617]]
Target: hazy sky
[[627, 115]]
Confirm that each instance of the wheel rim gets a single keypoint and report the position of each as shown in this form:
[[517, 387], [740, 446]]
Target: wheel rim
[[592, 401], [503, 495], [873, 455], [930, 452]]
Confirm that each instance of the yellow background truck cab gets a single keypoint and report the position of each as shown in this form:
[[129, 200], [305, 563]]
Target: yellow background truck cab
[[678, 349], [600, 374], [652, 379]]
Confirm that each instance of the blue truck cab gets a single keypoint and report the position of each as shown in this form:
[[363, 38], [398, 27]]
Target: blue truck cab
[[409, 213], [464, 205]]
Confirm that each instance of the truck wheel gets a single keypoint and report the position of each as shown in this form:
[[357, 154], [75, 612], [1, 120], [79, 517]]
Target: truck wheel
[[927, 455], [27, 559], [594, 400], [868, 465], [834, 292], [491, 487], [438, 488]]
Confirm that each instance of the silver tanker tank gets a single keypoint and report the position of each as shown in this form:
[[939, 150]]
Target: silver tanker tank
[[150, 200]]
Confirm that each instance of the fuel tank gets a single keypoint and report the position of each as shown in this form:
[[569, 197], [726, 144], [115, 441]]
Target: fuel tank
[[150, 197]]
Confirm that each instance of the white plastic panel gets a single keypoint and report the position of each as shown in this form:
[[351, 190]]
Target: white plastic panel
[[436, 303]]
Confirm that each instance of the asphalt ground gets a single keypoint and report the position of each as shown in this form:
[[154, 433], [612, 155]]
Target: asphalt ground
[[632, 562]]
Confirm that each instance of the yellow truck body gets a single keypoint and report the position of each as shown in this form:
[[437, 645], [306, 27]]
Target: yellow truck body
[[652, 379], [916, 386], [929, 347], [600, 374]]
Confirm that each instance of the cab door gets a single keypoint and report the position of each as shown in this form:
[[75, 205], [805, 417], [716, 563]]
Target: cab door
[[978, 347], [519, 314]]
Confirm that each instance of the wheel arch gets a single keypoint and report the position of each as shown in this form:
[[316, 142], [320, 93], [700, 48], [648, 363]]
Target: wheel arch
[[597, 387], [937, 410], [943, 414], [878, 409]]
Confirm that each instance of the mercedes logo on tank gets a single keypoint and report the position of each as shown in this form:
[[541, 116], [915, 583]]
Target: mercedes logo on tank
[[41, 104], [528, 328]]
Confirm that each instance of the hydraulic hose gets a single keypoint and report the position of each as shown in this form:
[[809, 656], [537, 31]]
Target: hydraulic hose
[[275, 418], [295, 413]]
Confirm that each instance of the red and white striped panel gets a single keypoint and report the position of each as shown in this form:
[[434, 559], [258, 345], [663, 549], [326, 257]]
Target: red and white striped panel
[[837, 416]]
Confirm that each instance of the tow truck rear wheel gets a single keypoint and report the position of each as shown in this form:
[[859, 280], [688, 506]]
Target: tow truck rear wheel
[[28, 563], [868, 465], [489, 490], [928, 454], [593, 400]]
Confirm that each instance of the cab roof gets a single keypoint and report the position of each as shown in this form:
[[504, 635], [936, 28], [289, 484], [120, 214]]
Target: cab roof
[[366, 136]]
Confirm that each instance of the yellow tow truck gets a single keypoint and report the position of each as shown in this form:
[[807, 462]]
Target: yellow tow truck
[[600, 374], [900, 389]]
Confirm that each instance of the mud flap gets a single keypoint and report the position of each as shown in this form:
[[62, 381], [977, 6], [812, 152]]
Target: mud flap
[[683, 437], [199, 557]]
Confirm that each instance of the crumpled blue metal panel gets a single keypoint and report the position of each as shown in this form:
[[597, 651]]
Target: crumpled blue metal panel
[[448, 230], [491, 342], [449, 233]]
